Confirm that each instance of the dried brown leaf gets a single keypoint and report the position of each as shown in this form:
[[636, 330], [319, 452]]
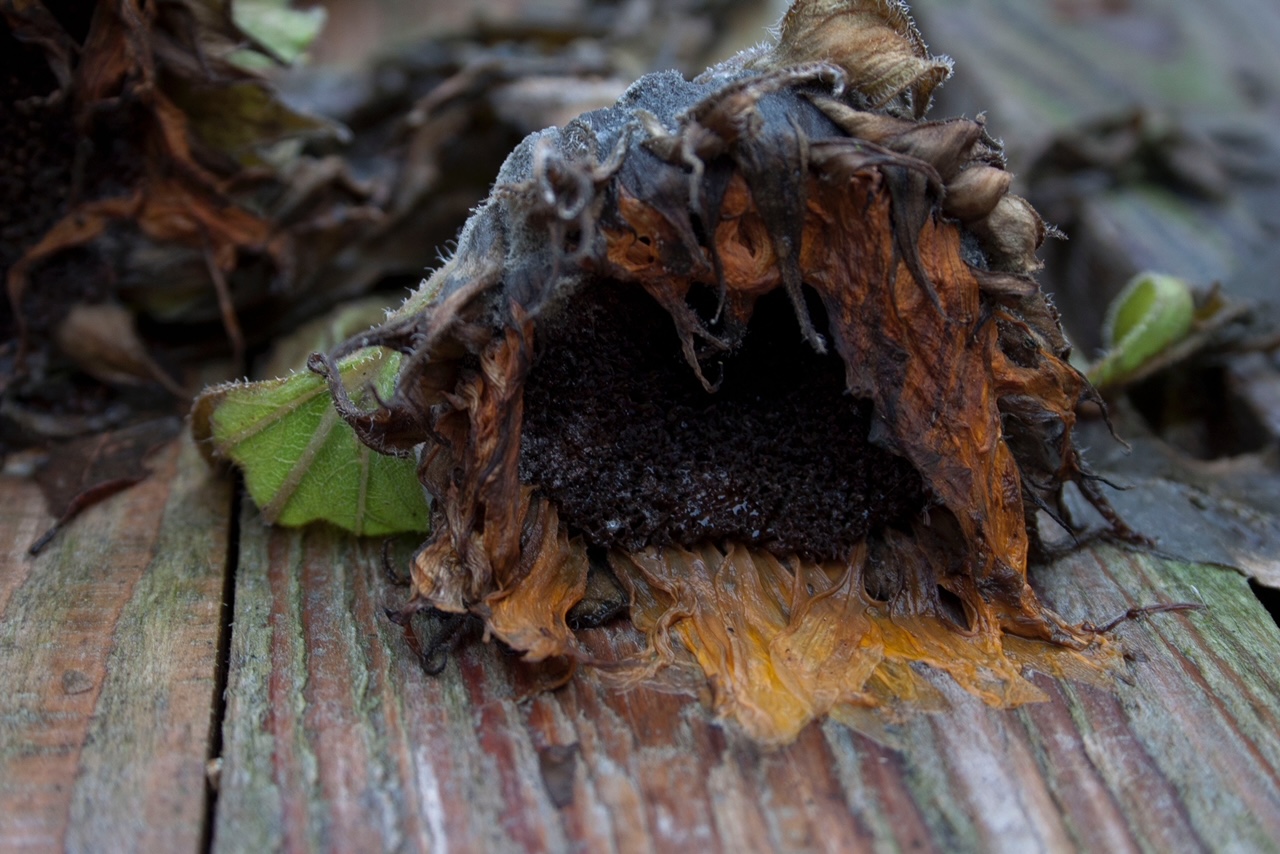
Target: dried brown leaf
[[85, 471]]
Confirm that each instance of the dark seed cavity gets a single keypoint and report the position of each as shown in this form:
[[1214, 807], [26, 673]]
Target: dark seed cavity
[[622, 436]]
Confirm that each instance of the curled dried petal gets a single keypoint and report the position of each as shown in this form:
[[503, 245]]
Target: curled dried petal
[[874, 41]]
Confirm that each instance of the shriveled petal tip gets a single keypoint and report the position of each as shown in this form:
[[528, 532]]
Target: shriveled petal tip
[[530, 613], [975, 192], [1011, 234], [875, 42]]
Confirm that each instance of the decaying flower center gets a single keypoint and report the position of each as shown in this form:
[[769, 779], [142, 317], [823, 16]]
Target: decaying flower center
[[768, 341], [631, 448]]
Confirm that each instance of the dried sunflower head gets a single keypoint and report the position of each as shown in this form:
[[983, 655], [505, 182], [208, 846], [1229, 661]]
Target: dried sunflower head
[[767, 344]]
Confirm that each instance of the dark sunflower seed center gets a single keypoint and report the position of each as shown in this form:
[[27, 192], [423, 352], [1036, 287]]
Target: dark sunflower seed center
[[621, 435]]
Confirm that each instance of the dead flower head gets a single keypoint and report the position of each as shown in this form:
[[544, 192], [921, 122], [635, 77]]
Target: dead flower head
[[766, 344]]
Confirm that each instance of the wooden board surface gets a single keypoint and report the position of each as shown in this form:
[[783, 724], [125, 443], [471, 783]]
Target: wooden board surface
[[109, 663], [336, 739]]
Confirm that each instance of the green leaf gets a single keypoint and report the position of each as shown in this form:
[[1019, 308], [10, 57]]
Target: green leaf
[[302, 463], [1150, 314], [284, 30]]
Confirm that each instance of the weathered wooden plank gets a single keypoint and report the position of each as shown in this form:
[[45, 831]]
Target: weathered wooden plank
[[335, 739], [108, 663]]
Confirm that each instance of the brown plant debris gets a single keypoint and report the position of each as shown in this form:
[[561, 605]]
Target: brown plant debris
[[767, 344], [135, 183], [142, 183], [81, 472]]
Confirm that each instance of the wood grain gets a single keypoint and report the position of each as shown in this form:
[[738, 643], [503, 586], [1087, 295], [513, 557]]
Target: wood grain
[[336, 739], [109, 664]]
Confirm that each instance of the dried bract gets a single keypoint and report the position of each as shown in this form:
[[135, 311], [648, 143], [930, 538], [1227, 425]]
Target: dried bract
[[765, 344]]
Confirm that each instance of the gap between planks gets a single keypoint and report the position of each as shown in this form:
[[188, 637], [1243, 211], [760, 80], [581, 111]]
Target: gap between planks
[[108, 663]]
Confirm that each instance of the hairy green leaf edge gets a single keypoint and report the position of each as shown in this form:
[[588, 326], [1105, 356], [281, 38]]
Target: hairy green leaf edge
[[301, 462]]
